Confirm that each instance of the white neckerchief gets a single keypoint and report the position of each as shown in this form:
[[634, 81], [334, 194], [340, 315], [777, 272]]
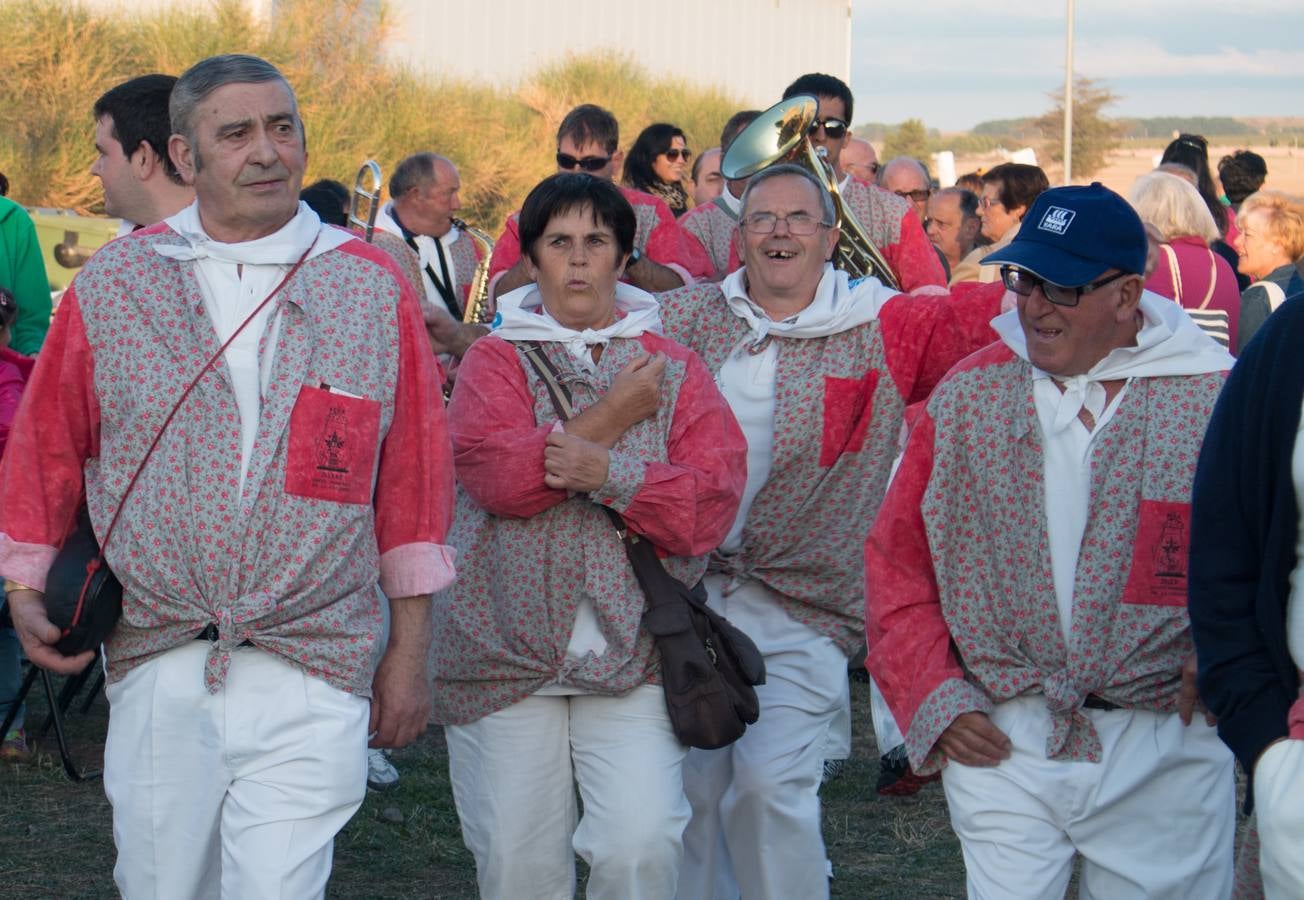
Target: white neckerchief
[[521, 317], [839, 305], [1168, 343], [281, 248]]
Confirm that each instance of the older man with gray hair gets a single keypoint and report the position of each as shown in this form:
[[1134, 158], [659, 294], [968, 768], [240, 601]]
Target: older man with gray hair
[[818, 371], [424, 195], [908, 179], [309, 462]]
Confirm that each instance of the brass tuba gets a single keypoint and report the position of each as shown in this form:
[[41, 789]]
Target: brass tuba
[[780, 135], [476, 311], [371, 197]]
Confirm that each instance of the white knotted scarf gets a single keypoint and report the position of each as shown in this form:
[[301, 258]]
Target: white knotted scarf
[[522, 317]]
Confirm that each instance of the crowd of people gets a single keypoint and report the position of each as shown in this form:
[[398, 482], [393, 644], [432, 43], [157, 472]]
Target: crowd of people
[[1039, 475]]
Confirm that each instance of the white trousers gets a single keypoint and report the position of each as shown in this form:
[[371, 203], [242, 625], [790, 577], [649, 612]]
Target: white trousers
[[514, 774], [1153, 819], [1279, 804], [756, 830], [237, 794]]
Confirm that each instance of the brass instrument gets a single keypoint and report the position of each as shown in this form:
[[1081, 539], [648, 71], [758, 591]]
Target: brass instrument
[[372, 198], [476, 311], [779, 135]]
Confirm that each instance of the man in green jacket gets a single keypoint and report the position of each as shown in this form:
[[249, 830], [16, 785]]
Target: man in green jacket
[[23, 272]]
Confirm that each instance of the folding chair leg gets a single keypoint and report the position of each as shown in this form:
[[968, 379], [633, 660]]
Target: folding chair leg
[[68, 765]]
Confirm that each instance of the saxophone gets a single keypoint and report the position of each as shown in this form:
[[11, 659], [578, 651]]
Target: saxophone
[[477, 311]]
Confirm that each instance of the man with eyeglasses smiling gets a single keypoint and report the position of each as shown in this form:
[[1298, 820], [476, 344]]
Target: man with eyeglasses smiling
[[818, 369], [885, 217], [1027, 577], [665, 255]]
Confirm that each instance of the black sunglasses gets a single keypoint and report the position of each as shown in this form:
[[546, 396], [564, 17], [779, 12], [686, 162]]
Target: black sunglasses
[[674, 153], [1023, 283], [588, 163], [833, 128]]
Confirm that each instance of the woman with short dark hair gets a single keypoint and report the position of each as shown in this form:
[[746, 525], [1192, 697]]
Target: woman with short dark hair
[[657, 163], [545, 676]]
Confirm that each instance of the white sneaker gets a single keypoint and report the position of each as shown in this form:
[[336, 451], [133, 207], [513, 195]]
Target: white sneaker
[[381, 774]]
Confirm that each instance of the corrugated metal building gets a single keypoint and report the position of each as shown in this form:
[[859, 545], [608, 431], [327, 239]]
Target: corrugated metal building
[[751, 49]]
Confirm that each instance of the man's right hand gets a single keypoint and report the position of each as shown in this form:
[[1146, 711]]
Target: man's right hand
[[39, 635], [635, 393], [972, 740]]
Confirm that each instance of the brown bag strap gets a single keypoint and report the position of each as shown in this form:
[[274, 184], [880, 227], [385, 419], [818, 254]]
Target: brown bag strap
[[190, 387]]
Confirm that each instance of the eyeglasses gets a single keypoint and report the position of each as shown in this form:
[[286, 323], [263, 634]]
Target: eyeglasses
[[988, 202], [833, 128], [1023, 283], [674, 153], [918, 196], [588, 163], [800, 224]]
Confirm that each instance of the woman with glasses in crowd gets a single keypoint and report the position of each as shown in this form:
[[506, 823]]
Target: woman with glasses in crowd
[[545, 676], [657, 164], [1008, 192]]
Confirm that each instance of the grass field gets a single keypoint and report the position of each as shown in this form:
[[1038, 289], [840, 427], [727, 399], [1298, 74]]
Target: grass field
[[56, 838]]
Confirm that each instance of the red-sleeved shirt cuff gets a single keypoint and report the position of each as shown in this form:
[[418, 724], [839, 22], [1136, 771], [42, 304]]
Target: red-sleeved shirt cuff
[[415, 570]]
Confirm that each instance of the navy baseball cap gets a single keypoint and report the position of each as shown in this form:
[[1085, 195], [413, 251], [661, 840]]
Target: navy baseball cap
[[1073, 234]]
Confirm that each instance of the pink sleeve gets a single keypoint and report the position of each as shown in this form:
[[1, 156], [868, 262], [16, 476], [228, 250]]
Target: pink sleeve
[[414, 483], [925, 335], [497, 446], [686, 505], [507, 250], [674, 247], [913, 258], [56, 430], [911, 654], [11, 391]]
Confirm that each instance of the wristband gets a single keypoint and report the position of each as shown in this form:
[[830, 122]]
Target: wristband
[[11, 586]]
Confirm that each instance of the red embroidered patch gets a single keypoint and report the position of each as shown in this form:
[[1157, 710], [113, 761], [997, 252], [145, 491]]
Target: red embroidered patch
[[332, 451], [1159, 555], [848, 407]]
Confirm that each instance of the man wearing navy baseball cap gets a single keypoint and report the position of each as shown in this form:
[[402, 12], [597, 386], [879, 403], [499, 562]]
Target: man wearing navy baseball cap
[[1027, 577]]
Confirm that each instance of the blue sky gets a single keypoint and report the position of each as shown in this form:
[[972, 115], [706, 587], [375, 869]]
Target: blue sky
[[955, 63]]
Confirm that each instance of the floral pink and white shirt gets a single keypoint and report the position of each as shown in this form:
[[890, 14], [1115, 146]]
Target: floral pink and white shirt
[[962, 611], [531, 556], [838, 409], [349, 480]]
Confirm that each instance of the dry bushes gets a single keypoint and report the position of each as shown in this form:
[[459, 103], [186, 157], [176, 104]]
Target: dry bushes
[[59, 57]]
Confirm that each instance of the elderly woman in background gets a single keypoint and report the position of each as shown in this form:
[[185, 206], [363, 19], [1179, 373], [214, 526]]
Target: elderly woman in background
[[657, 164], [1187, 270], [1270, 242], [544, 674], [1007, 193]]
